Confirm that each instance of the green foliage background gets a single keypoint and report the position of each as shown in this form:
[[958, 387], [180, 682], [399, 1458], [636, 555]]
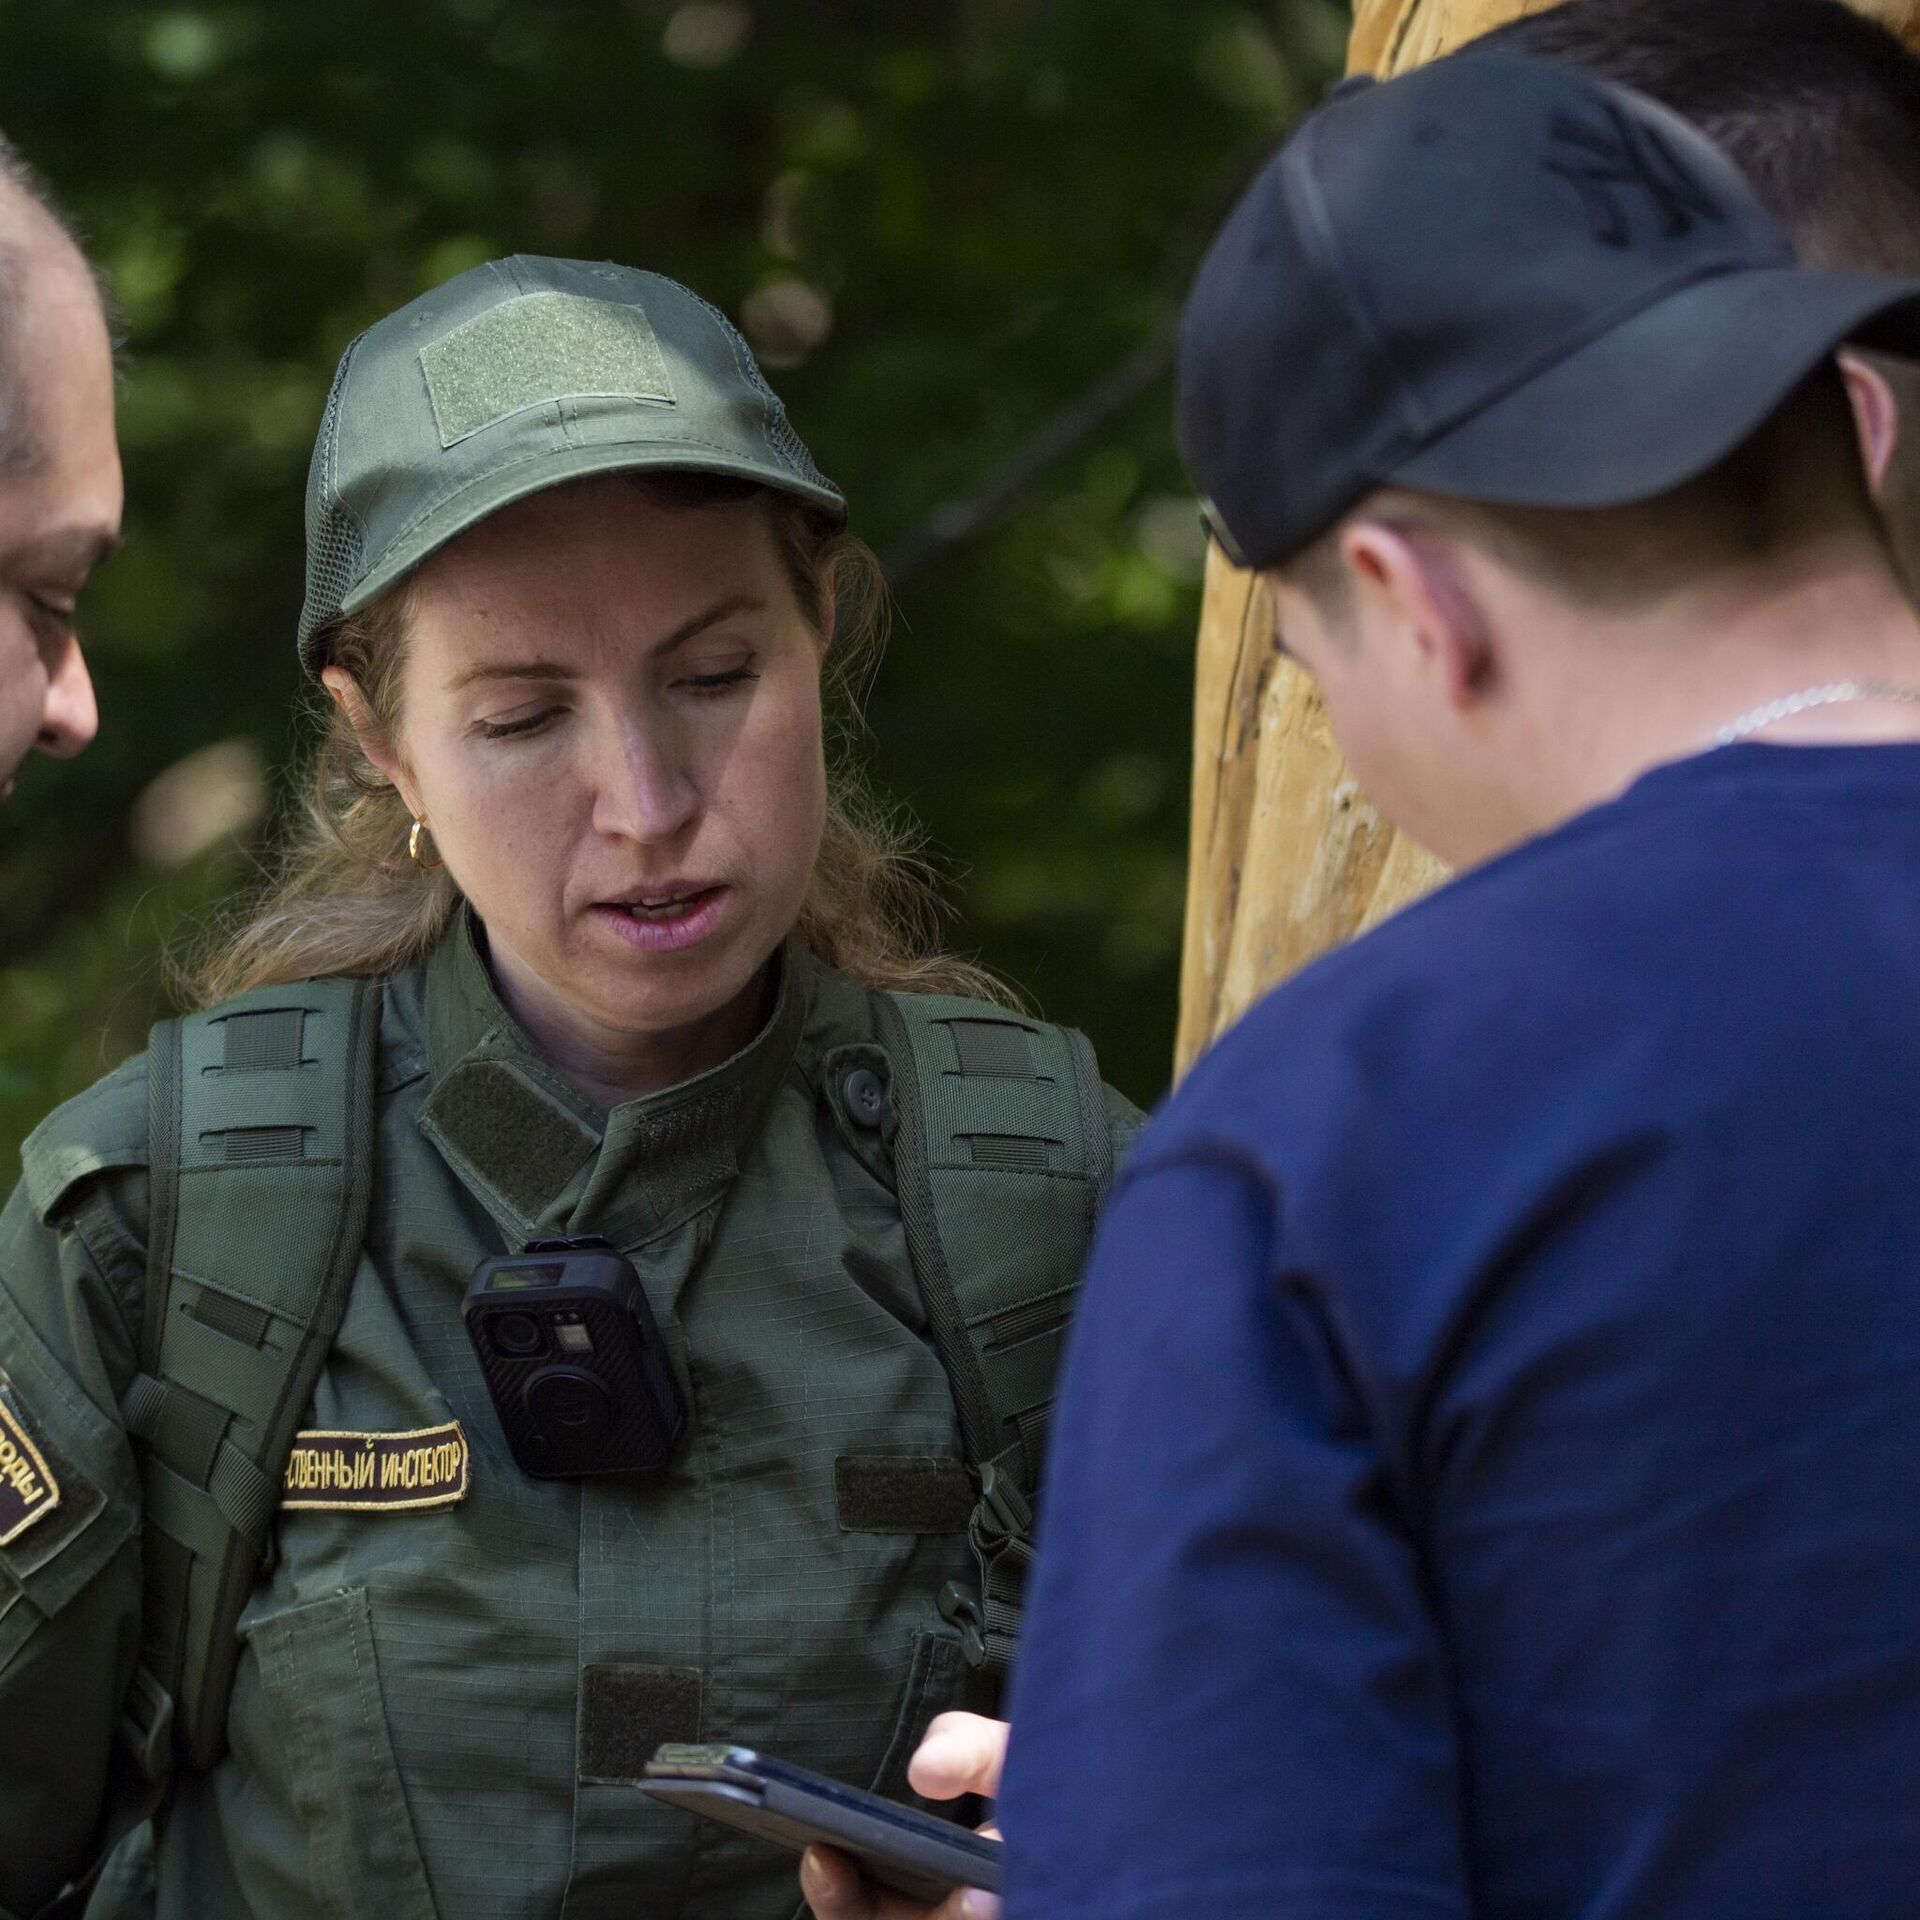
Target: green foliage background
[[1000, 199]]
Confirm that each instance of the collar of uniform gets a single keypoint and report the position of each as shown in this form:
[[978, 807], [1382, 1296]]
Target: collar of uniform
[[542, 1157]]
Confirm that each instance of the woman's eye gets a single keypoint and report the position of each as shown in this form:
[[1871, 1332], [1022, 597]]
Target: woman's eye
[[527, 723], [720, 682]]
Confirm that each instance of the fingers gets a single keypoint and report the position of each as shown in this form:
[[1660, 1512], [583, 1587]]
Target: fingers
[[836, 1890], [834, 1887], [962, 1753]]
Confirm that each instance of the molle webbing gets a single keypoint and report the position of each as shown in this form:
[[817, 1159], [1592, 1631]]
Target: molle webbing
[[1002, 1155], [261, 1115]]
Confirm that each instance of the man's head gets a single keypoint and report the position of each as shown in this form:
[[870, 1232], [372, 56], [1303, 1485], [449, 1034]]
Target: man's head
[[1476, 661], [60, 484], [1502, 372], [1820, 108]]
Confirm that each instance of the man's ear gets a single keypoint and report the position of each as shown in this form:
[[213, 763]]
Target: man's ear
[[346, 695], [1416, 588], [1876, 416]]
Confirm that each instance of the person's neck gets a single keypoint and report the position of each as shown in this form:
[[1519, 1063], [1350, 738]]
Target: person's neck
[[1643, 690], [613, 1065]]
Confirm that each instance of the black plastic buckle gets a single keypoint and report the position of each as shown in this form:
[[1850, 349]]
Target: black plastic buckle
[[960, 1608], [1002, 1520], [1000, 1531], [1003, 1515], [146, 1725]]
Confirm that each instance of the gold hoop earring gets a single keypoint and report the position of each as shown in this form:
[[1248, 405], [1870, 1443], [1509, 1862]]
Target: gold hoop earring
[[413, 849]]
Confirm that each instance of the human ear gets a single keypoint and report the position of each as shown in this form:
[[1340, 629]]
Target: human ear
[[374, 743], [1876, 416], [1413, 586], [829, 612]]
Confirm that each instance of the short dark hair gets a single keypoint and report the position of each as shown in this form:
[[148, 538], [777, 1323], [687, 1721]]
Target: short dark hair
[[1817, 105], [1795, 482]]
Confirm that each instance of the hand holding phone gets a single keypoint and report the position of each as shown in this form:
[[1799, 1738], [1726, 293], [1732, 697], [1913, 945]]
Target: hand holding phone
[[914, 1853], [961, 1754]]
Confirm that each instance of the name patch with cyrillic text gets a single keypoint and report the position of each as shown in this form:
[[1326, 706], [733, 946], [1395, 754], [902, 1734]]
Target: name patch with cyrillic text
[[356, 1472], [28, 1492]]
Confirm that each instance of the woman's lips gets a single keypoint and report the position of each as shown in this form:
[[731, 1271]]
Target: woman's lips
[[689, 919]]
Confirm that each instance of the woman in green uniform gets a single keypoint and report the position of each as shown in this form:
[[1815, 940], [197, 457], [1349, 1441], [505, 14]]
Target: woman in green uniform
[[583, 942]]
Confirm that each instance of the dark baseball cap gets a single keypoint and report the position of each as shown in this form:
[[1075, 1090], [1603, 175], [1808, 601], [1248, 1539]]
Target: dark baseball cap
[[514, 377], [1495, 280]]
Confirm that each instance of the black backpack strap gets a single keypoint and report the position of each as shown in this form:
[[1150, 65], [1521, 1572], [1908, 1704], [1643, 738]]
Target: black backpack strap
[[1002, 1156], [262, 1119]]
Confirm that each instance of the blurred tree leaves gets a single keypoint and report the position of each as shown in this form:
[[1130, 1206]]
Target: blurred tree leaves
[[945, 222]]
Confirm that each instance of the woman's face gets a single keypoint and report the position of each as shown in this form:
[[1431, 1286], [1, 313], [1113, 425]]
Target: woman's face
[[610, 721]]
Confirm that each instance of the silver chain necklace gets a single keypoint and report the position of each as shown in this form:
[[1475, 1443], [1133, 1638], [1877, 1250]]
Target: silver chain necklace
[[1836, 693]]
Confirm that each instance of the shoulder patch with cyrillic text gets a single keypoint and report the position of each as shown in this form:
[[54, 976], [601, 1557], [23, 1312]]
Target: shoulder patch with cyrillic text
[[349, 1471], [28, 1492]]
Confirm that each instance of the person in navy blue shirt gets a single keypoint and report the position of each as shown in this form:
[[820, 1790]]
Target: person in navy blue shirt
[[1487, 1474], [1485, 1482]]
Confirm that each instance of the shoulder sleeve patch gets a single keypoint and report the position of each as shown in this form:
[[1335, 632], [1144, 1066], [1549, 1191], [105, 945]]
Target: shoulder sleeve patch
[[28, 1490], [96, 1131]]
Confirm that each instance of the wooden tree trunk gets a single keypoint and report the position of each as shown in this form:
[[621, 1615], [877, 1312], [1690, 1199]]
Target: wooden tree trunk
[[1287, 858]]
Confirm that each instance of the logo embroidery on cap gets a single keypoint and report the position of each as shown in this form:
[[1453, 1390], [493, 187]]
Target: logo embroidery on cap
[[347, 1471], [28, 1492], [1600, 160]]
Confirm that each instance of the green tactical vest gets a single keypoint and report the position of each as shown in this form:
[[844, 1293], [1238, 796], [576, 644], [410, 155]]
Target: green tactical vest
[[861, 1237]]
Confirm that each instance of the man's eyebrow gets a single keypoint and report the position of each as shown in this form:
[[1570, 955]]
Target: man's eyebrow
[[79, 548], [552, 670]]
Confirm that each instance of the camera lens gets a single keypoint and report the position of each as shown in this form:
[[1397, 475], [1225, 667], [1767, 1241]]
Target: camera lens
[[515, 1334]]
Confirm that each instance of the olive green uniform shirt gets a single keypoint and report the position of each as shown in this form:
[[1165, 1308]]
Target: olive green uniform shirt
[[440, 1709]]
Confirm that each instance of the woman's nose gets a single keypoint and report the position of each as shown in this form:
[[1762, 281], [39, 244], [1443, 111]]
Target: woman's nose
[[645, 790], [70, 717]]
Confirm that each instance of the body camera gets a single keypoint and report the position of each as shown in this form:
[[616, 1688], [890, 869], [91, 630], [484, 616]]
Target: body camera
[[574, 1361]]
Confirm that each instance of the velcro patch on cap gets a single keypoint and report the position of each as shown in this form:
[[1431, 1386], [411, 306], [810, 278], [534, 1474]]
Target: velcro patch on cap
[[348, 1471], [28, 1492], [539, 348]]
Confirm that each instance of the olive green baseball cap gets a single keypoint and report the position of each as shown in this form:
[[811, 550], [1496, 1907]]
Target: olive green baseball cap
[[509, 379]]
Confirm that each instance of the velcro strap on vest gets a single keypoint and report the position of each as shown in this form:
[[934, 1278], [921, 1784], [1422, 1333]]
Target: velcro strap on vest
[[242, 1492], [1001, 1155], [261, 1119], [181, 1427]]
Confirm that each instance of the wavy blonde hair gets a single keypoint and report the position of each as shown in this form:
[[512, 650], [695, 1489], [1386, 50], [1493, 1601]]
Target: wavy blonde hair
[[343, 897]]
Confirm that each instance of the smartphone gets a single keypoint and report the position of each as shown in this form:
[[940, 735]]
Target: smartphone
[[899, 1847]]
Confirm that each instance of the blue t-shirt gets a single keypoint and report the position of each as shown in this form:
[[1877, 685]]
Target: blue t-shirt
[[1487, 1473]]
